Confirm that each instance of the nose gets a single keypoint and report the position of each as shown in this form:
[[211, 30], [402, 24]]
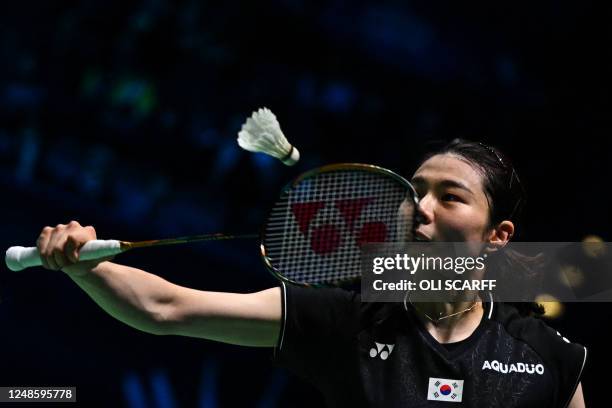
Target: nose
[[424, 213]]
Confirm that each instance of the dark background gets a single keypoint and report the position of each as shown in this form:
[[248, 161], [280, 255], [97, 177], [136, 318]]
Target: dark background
[[124, 115]]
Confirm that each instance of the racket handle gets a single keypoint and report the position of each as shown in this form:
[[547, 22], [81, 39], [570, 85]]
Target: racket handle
[[18, 257]]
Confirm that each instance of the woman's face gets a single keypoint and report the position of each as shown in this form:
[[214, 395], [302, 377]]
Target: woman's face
[[454, 207]]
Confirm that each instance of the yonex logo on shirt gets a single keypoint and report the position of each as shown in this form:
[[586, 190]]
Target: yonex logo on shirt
[[513, 367], [382, 350]]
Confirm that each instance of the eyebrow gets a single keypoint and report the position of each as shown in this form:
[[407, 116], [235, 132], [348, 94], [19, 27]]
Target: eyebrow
[[443, 183]]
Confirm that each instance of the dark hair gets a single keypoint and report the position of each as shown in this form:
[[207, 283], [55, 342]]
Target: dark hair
[[502, 186], [506, 197]]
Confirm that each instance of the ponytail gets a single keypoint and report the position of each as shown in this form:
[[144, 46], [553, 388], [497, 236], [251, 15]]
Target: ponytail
[[510, 265]]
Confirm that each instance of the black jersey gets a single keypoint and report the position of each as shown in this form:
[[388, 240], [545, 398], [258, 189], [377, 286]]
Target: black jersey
[[380, 355]]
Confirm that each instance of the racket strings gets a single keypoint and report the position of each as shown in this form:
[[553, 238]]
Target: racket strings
[[317, 228]]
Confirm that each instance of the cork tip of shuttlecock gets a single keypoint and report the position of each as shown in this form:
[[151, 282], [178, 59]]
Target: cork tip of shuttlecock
[[291, 158]]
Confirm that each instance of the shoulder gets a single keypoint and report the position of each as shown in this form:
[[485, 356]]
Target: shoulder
[[311, 311], [318, 301], [564, 358], [321, 311], [315, 322], [543, 339]]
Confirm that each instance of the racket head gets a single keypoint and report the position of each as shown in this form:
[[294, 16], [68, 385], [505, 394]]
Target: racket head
[[315, 230]]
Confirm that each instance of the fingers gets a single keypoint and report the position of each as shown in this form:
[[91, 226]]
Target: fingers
[[42, 243], [71, 249], [59, 246], [55, 248]]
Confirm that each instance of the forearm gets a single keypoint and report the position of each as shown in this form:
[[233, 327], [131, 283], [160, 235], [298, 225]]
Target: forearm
[[133, 296], [154, 305]]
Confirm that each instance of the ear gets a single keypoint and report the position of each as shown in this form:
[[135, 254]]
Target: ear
[[499, 236]]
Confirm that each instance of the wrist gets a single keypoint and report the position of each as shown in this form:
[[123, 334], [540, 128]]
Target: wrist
[[83, 268]]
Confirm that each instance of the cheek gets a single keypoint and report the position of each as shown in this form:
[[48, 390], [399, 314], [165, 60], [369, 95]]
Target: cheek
[[466, 225]]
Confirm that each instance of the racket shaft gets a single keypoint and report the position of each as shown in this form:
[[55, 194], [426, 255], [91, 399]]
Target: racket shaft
[[193, 238], [18, 258]]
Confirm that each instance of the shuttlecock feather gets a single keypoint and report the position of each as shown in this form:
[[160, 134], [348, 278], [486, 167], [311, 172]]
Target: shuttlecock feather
[[262, 133]]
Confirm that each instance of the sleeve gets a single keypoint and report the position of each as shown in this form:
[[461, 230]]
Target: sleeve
[[565, 359], [571, 359], [317, 324]]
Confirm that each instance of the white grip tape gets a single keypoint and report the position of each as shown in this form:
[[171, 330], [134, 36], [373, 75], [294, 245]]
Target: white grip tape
[[18, 258]]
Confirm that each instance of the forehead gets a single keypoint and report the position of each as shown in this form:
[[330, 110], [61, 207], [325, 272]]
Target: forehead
[[449, 167]]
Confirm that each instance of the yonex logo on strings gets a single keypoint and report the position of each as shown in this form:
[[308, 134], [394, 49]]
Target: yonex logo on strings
[[326, 238], [381, 350]]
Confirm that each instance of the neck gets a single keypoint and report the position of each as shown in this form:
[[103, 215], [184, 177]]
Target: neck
[[449, 322], [446, 313]]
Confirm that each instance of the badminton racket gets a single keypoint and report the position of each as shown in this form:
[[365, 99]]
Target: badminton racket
[[315, 230]]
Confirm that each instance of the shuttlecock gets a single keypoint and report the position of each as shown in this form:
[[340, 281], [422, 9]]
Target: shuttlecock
[[262, 133]]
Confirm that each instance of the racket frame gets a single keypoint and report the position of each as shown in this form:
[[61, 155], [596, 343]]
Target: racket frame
[[371, 168]]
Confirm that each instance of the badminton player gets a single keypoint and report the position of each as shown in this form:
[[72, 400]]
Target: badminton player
[[479, 353]]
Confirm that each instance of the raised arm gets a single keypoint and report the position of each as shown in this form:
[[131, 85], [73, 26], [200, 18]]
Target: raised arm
[[154, 305]]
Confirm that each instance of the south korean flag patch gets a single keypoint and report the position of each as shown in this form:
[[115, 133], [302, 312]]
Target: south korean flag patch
[[443, 389]]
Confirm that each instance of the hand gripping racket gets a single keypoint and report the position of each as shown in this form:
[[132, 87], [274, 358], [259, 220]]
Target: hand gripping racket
[[315, 230]]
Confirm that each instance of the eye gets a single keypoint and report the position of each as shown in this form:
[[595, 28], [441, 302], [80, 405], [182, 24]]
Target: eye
[[450, 197]]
